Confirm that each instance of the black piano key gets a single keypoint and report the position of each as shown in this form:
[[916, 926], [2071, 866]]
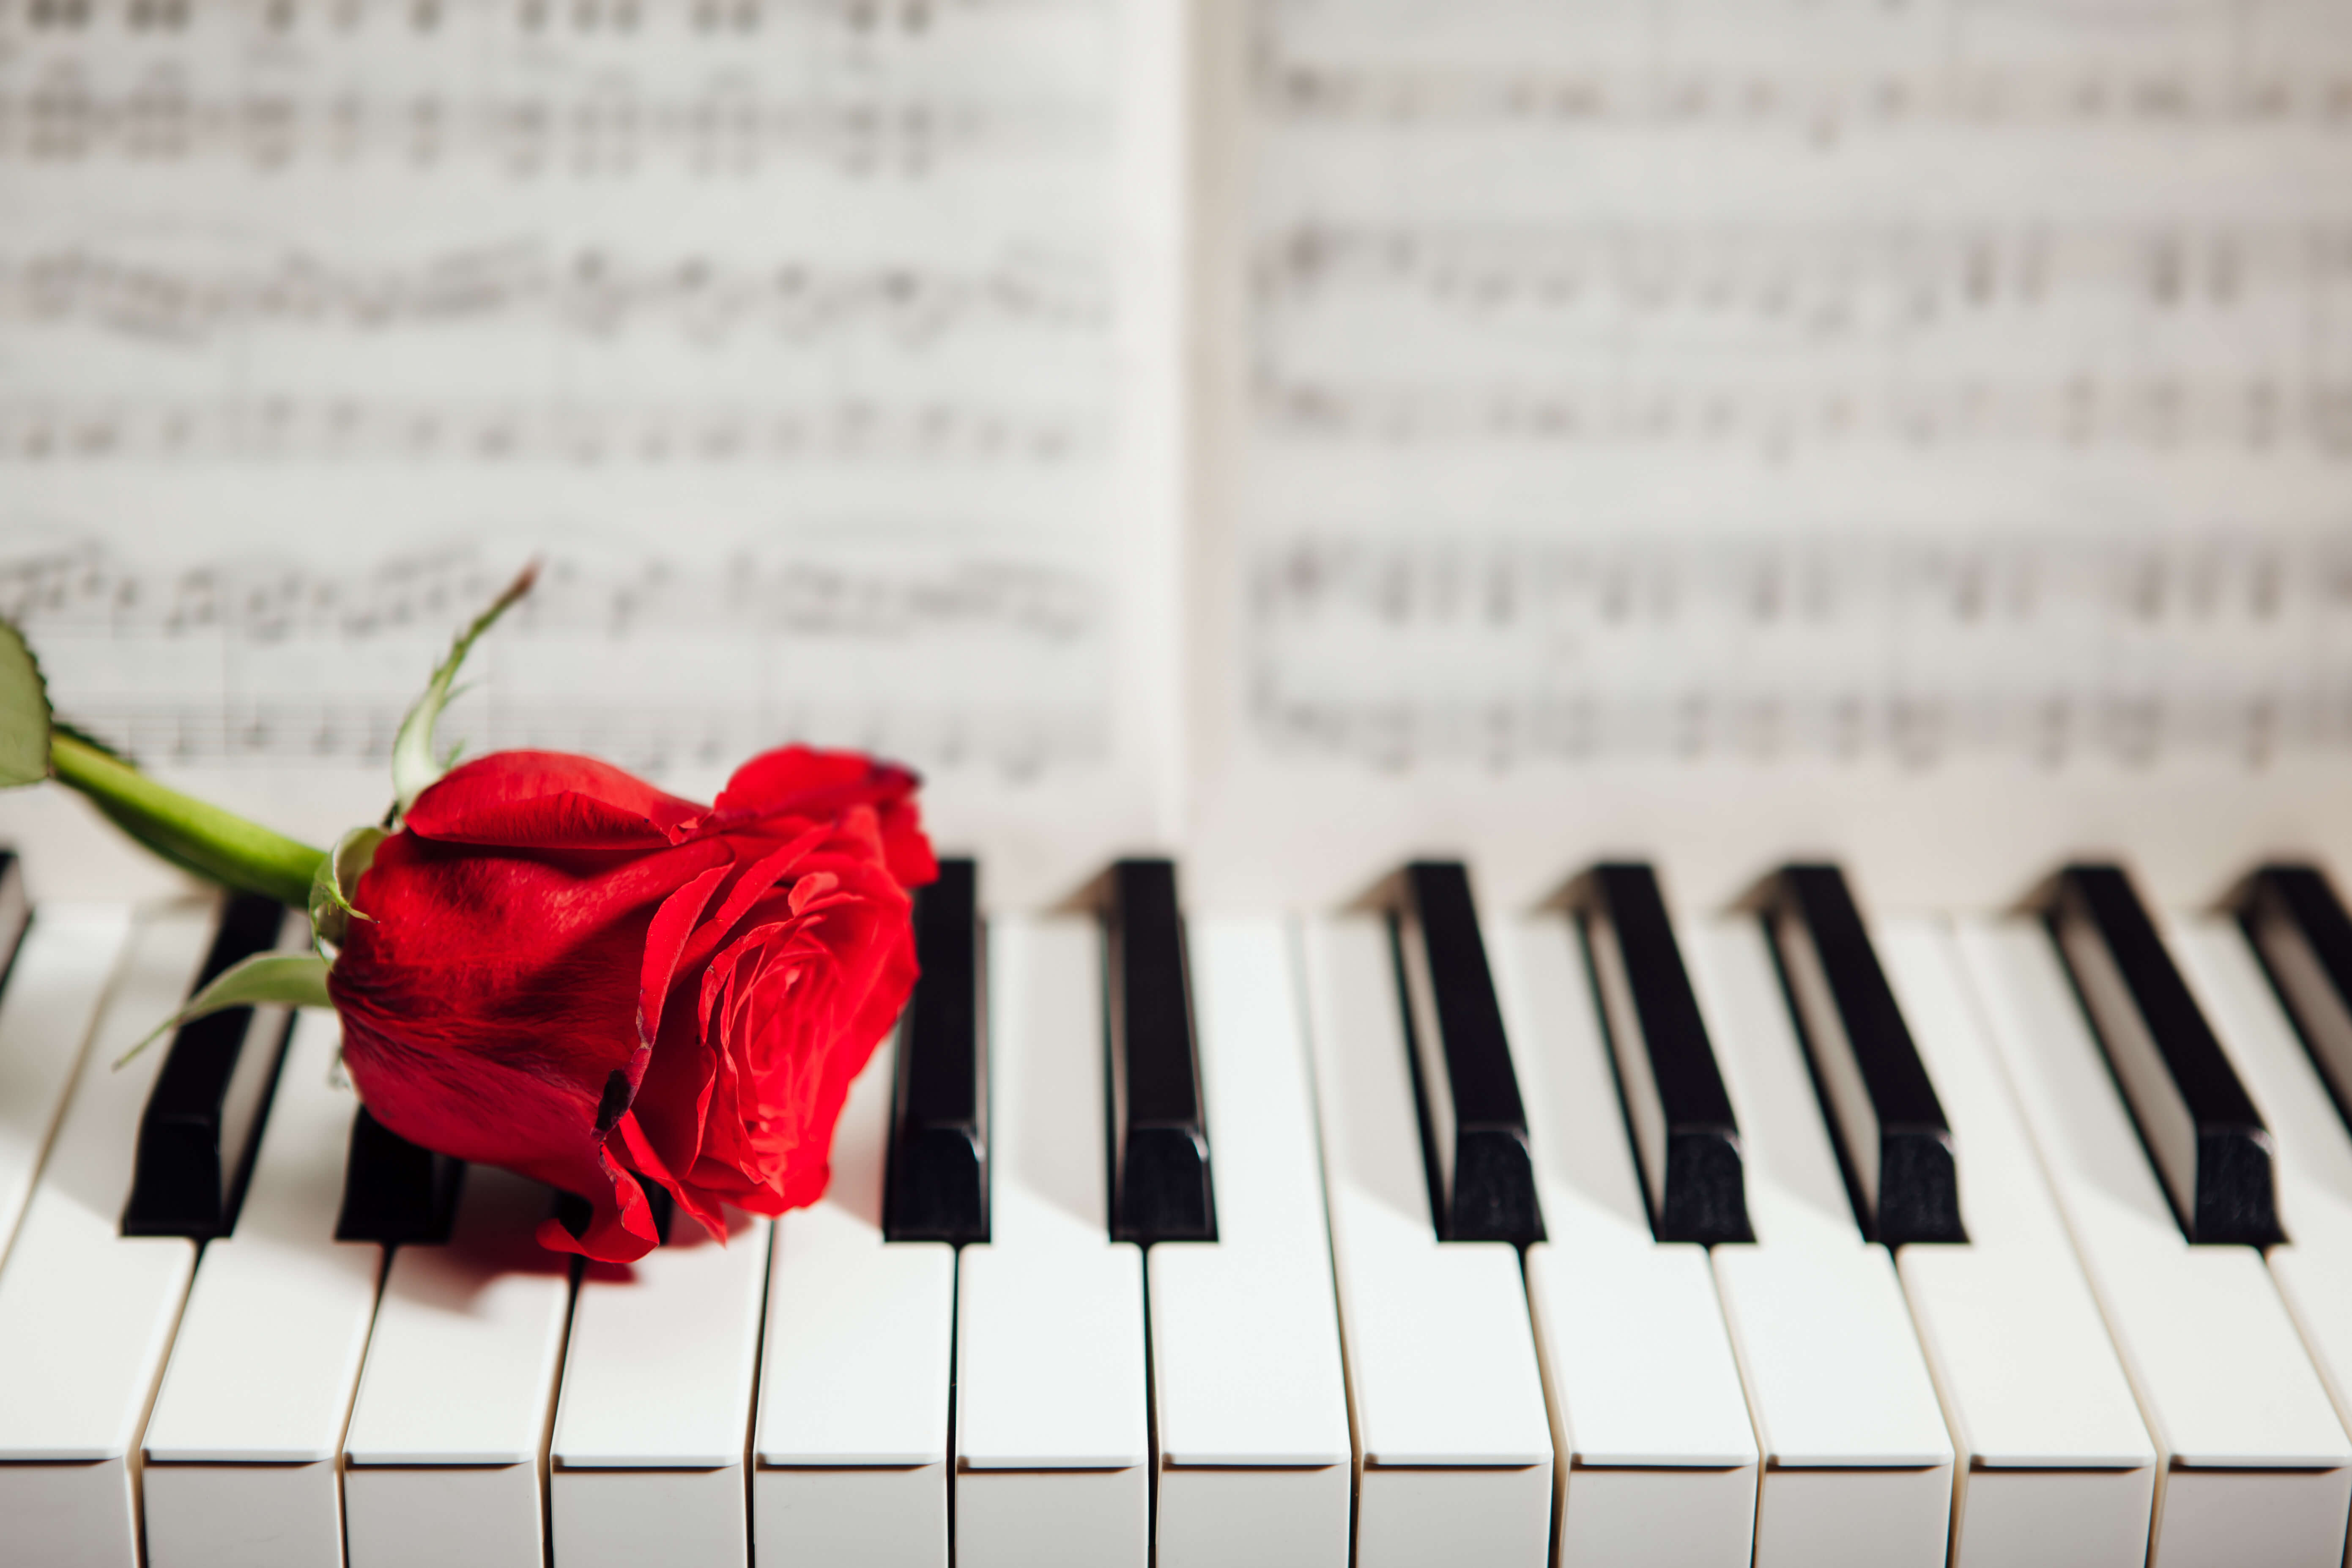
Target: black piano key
[[1160, 1187], [1685, 1135], [1892, 1136], [1474, 1126], [395, 1192], [204, 1113], [575, 1214], [2208, 1144], [2299, 928], [936, 1184], [16, 911]]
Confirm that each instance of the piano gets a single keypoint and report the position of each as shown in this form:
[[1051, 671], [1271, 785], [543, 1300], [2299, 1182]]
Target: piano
[[1610, 1230]]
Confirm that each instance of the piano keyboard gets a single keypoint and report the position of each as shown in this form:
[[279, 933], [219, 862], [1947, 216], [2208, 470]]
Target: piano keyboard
[[1414, 1233]]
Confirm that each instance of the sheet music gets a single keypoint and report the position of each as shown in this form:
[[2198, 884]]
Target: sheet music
[[1227, 424], [797, 336], [1816, 396], [1511, 272]]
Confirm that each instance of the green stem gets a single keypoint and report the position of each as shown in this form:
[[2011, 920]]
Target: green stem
[[190, 834]]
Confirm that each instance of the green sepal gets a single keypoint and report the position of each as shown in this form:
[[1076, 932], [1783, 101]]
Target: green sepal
[[25, 715], [331, 910], [265, 980], [415, 767]]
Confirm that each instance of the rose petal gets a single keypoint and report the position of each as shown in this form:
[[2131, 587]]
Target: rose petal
[[642, 1154], [798, 780], [754, 885], [665, 941], [620, 1228], [547, 800]]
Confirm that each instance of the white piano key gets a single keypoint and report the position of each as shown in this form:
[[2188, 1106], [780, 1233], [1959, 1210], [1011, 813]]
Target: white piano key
[[2252, 1456], [852, 1438], [446, 1454], [2313, 1166], [241, 1449], [2055, 1466], [1051, 1442], [50, 1000], [1858, 1463], [1454, 1456], [1248, 1396], [653, 1426], [87, 1314], [1658, 1460]]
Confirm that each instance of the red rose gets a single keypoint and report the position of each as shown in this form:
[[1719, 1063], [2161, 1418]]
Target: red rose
[[573, 975]]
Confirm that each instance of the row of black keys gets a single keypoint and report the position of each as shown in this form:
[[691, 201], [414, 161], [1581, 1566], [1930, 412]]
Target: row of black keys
[[191, 1168], [2202, 1132]]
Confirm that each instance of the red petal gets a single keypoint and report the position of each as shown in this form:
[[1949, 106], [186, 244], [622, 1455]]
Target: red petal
[[646, 1158], [755, 883], [664, 941], [548, 800], [620, 1230], [797, 781]]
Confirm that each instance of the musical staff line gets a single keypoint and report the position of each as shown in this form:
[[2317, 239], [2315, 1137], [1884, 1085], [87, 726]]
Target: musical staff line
[[271, 428], [1780, 414], [715, 19], [590, 293], [1972, 65], [1823, 275], [2050, 645], [726, 128]]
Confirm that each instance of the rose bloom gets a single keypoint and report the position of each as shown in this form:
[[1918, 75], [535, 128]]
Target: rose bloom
[[566, 972]]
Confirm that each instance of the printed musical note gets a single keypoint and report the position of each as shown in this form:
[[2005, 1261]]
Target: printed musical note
[[590, 292]]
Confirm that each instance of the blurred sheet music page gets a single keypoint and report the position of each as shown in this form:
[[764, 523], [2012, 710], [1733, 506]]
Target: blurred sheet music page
[[1676, 422], [1918, 428], [798, 336]]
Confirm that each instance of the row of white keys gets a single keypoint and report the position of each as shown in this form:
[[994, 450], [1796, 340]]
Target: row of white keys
[[852, 1436], [1453, 1437], [2314, 1167], [653, 1426], [446, 1459], [1052, 1446], [1249, 1402], [86, 1313], [1657, 1458], [243, 1446], [1858, 1463], [2252, 1462], [2055, 1467]]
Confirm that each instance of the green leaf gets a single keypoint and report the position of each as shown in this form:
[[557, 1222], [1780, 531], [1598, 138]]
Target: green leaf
[[265, 980], [415, 767], [23, 712], [331, 910]]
